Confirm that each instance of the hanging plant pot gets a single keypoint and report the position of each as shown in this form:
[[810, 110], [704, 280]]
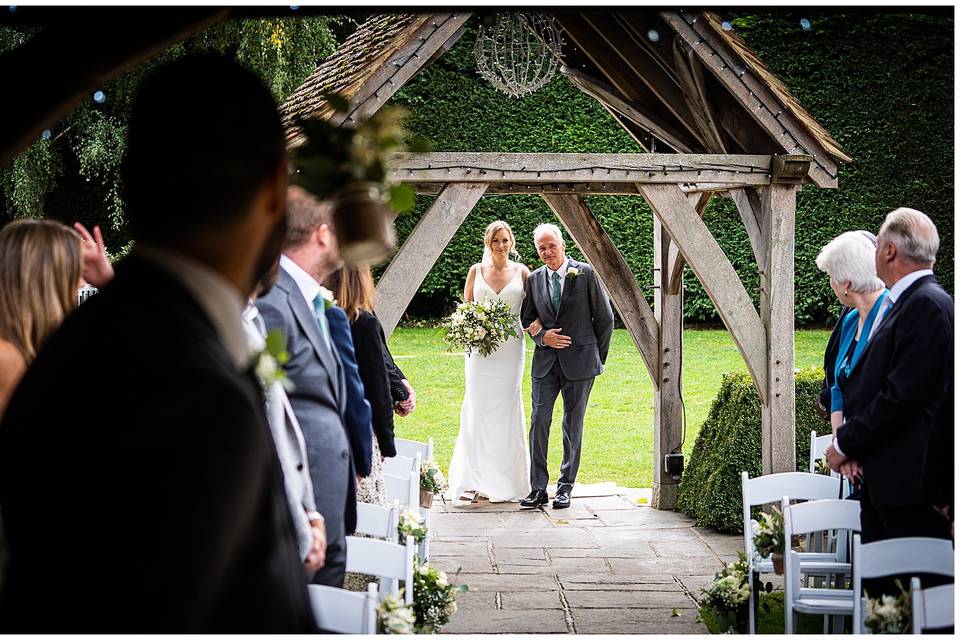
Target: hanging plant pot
[[426, 498], [777, 563], [363, 224]]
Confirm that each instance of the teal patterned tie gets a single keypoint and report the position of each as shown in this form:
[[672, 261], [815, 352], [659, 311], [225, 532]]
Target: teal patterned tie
[[556, 291], [320, 310]]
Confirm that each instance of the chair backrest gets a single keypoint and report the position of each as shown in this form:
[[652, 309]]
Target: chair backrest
[[818, 445], [340, 611], [819, 515], [931, 608], [405, 488], [410, 448], [378, 521], [771, 488], [897, 556], [393, 563], [398, 465]]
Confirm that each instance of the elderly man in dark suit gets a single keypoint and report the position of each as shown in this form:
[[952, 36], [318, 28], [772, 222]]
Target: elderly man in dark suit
[[162, 499], [899, 385], [297, 306]]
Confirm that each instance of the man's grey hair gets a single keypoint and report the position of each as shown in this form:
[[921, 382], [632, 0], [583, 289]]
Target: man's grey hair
[[545, 228], [850, 258], [913, 233]]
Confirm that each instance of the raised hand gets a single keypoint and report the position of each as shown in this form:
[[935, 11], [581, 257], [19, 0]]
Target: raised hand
[[555, 340], [97, 269]]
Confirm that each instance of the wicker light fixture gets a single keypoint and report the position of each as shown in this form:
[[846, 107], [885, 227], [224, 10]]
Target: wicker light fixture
[[519, 53]]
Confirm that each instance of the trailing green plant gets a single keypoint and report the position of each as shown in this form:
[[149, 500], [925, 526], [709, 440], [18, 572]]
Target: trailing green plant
[[730, 443]]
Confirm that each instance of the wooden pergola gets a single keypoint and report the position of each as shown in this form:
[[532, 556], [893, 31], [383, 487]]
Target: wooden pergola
[[712, 118]]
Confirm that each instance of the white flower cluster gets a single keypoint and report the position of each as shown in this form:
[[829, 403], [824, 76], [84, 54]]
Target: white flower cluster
[[410, 525], [395, 617], [431, 477], [481, 326], [434, 598], [888, 614], [728, 594]]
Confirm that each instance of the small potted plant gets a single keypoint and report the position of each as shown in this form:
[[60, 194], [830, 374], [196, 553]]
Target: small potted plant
[[431, 482], [888, 614], [725, 600], [768, 538], [434, 597]]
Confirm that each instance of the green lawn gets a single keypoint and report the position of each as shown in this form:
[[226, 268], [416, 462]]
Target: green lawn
[[618, 433]]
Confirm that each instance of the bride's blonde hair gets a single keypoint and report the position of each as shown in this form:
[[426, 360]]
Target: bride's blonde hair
[[491, 230]]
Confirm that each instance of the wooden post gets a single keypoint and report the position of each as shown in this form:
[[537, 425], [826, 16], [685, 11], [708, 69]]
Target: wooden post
[[778, 413], [419, 253], [667, 401]]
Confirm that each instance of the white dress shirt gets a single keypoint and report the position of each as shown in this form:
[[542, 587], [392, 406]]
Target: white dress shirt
[[562, 272], [308, 285]]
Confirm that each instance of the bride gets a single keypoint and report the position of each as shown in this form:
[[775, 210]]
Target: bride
[[491, 457]]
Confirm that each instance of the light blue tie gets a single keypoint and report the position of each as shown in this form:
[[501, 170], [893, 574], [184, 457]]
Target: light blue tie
[[320, 310], [556, 291]]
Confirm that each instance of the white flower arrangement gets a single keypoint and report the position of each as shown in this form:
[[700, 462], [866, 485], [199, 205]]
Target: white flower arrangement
[[481, 326], [727, 596], [888, 614], [395, 617], [411, 525], [431, 477], [434, 597], [572, 272], [268, 362]]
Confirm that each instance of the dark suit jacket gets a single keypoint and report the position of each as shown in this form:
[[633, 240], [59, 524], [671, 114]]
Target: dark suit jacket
[[318, 398], [357, 415], [372, 357], [894, 391], [139, 483], [584, 315]]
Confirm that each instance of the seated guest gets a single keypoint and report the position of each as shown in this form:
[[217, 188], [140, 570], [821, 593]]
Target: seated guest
[[849, 261], [40, 272], [168, 484]]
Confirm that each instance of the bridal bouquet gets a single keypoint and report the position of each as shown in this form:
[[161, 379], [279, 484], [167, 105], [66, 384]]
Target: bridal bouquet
[[481, 326]]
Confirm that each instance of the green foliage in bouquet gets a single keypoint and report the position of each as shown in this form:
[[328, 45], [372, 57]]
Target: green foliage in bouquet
[[332, 158], [431, 477], [480, 326], [434, 598], [769, 534], [410, 525]]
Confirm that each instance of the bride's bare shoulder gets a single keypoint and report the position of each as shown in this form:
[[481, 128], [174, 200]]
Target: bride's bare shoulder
[[524, 272]]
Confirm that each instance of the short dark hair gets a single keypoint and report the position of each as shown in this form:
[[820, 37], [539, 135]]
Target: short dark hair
[[204, 134]]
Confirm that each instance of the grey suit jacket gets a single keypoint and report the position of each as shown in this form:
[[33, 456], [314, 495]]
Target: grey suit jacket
[[584, 315], [319, 401]]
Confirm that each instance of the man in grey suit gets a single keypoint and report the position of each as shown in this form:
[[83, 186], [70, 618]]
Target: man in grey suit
[[567, 298], [295, 306]]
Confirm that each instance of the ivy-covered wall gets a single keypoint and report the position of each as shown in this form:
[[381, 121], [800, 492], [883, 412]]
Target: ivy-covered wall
[[880, 81]]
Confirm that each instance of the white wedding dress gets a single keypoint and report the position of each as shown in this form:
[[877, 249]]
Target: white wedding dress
[[491, 455]]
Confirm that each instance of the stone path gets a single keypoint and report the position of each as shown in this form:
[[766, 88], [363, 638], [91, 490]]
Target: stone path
[[608, 564]]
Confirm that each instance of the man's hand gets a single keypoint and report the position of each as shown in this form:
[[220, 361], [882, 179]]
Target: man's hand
[[318, 553], [834, 459], [851, 470], [406, 407], [555, 340], [97, 269], [535, 328]]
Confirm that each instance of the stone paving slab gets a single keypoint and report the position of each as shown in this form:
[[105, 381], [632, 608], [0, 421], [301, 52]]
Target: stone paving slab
[[674, 598], [636, 621], [507, 621], [524, 600]]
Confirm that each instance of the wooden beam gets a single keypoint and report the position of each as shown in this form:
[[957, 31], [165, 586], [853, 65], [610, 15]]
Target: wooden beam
[[713, 269], [778, 413], [612, 269], [667, 398], [753, 94], [536, 189], [786, 169], [694, 86], [445, 167], [675, 262], [748, 205], [607, 95], [420, 251], [42, 85]]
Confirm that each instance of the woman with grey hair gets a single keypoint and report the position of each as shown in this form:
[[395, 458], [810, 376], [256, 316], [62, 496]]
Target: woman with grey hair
[[849, 260]]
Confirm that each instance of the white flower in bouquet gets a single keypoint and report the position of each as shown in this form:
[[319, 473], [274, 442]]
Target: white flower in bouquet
[[431, 477], [481, 326], [395, 617], [888, 614], [411, 525]]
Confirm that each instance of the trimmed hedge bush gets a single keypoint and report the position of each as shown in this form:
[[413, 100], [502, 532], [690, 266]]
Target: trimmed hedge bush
[[729, 443]]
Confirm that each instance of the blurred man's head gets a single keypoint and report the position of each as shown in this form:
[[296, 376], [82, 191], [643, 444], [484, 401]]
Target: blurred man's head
[[310, 240]]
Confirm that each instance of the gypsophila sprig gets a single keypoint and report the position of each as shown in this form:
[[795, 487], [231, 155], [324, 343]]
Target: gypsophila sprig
[[431, 477], [768, 537], [395, 617], [481, 326], [411, 525], [888, 614], [268, 362], [434, 597], [727, 596]]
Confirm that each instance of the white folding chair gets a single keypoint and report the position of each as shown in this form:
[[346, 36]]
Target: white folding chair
[[807, 518], [931, 608], [399, 465], [404, 489], [340, 611], [378, 521], [771, 489], [392, 563], [893, 557], [411, 448], [818, 446]]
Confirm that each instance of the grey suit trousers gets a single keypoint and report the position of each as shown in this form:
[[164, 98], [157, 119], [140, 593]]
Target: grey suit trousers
[[575, 394]]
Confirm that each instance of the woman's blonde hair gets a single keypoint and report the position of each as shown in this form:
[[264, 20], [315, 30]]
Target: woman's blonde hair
[[352, 286], [40, 267], [491, 230]]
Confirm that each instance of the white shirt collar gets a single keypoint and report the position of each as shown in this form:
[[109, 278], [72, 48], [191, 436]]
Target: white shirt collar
[[308, 285], [905, 282], [217, 297]]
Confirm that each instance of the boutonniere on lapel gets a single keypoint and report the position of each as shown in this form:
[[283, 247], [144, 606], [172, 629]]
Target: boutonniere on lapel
[[328, 299], [572, 273], [268, 362]]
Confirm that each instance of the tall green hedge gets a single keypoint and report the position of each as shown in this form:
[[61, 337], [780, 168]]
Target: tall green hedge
[[729, 444], [879, 81]]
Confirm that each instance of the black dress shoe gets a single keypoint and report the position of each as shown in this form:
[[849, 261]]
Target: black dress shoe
[[562, 499], [536, 498]]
